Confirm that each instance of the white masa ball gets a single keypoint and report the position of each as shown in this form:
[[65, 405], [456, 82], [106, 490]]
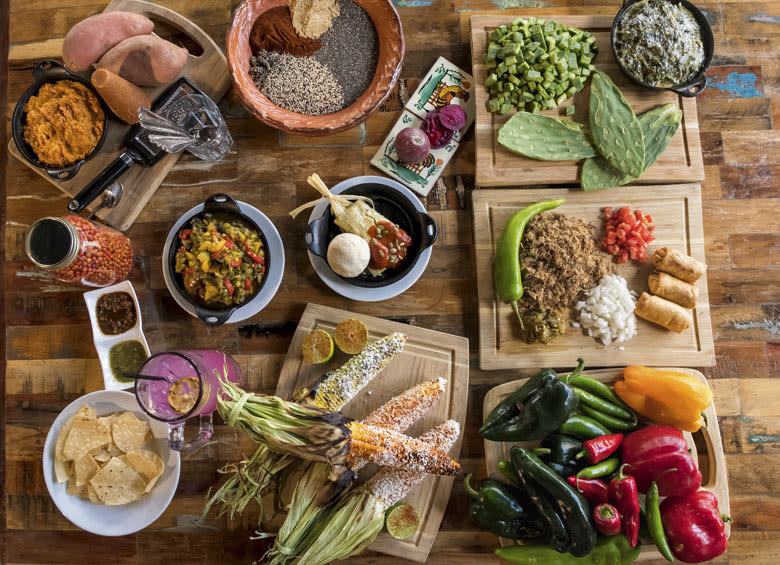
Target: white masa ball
[[348, 255]]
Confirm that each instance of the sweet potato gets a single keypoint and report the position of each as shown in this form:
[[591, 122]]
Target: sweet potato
[[145, 60], [123, 97], [88, 40]]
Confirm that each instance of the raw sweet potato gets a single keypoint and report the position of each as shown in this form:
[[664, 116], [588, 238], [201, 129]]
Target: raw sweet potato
[[88, 40], [123, 97], [145, 60]]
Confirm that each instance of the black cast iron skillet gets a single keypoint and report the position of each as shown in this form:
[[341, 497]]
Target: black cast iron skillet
[[223, 207], [395, 207], [45, 72], [692, 87]]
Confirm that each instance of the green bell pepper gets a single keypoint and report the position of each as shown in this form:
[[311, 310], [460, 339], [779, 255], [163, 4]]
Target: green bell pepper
[[612, 550], [505, 510], [537, 408]]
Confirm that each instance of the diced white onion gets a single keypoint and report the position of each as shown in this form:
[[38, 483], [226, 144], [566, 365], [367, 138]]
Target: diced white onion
[[607, 313]]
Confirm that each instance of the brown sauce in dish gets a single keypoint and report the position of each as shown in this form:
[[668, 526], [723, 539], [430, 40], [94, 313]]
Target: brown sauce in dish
[[115, 313], [388, 245]]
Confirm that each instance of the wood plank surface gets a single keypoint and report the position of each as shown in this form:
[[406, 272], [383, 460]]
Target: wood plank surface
[[705, 446], [676, 213], [426, 356], [497, 166], [47, 339]]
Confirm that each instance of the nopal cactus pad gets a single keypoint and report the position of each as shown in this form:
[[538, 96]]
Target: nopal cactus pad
[[658, 127], [546, 138], [614, 126]]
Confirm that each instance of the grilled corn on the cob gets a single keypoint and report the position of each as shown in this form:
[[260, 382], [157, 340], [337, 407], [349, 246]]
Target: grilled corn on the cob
[[392, 449], [340, 386], [392, 485]]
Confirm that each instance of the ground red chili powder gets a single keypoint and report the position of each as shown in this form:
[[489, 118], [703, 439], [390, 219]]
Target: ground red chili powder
[[273, 31]]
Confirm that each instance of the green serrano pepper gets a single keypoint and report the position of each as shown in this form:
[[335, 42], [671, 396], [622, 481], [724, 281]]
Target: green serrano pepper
[[601, 469], [507, 271], [583, 427], [654, 524], [598, 403], [615, 424]]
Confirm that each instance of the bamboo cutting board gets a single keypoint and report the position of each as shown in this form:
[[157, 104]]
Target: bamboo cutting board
[[496, 166], [705, 445], [208, 71], [427, 355], [676, 212]]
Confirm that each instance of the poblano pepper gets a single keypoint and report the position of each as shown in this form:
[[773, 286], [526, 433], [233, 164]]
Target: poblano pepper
[[559, 452], [505, 511], [612, 550], [537, 408]]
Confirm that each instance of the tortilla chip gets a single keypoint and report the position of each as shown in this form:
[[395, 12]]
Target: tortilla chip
[[60, 470], [85, 468], [101, 454], [118, 483], [86, 411], [107, 421], [114, 451], [61, 440], [130, 433], [93, 497], [72, 489], [148, 464], [85, 435]]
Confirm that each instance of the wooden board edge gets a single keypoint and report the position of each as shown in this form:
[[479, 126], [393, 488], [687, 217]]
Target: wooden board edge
[[718, 483]]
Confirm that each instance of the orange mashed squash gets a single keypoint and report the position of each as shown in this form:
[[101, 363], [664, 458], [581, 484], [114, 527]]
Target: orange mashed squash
[[64, 122]]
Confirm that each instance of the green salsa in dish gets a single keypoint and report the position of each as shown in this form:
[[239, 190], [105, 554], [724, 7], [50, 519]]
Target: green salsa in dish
[[659, 42], [126, 358]]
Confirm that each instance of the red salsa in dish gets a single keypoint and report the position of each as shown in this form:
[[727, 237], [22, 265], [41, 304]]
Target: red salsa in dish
[[388, 245]]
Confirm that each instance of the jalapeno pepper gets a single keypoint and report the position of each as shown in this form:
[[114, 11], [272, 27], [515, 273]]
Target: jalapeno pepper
[[623, 493], [606, 467], [507, 272], [598, 449], [595, 491]]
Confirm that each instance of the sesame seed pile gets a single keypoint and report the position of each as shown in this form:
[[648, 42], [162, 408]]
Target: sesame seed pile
[[329, 80], [299, 84]]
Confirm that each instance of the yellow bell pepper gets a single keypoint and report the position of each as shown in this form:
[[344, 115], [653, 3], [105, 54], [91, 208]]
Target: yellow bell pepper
[[666, 397]]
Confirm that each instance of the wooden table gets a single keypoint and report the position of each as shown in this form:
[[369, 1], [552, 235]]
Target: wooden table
[[48, 343]]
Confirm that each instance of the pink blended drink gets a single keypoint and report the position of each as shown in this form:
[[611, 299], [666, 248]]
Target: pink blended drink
[[187, 385]]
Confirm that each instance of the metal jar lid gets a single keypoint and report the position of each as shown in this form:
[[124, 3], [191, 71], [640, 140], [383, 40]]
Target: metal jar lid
[[52, 243]]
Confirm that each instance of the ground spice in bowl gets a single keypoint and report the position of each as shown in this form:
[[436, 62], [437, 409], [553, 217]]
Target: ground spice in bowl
[[273, 31]]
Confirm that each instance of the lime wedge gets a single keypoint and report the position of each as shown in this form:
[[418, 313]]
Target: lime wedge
[[317, 347], [402, 520]]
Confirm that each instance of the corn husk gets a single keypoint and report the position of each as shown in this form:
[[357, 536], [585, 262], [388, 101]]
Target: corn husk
[[307, 432]]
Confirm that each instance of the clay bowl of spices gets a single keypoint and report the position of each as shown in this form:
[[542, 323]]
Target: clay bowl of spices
[[378, 50]]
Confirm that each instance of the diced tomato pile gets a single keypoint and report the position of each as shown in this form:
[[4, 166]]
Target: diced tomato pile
[[627, 234]]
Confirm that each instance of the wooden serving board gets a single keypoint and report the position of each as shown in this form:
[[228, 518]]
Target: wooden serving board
[[208, 71], [677, 216], [496, 166], [708, 454], [427, 355]]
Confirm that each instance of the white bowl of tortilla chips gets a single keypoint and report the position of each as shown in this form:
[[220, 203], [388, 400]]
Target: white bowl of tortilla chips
[[107, 466]]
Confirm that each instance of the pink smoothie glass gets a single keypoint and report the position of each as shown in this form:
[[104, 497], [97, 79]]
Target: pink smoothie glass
[[208, 367]]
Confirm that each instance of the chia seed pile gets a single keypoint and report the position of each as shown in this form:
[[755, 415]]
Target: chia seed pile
[[331, 79]]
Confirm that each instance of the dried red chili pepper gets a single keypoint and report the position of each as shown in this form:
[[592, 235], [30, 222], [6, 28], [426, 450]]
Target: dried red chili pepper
[[623, 493]]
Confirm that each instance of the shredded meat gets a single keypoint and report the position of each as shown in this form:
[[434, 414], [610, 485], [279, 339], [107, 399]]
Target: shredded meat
[[560, 260]]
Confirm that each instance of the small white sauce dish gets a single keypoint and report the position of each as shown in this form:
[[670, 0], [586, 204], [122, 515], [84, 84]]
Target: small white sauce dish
[[103, 342]]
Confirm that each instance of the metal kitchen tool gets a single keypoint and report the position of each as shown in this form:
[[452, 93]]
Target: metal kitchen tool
[[140, 149]]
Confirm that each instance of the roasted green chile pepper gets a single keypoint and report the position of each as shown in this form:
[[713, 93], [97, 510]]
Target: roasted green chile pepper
[[540, 406], [611, 550], [505, 511], [559, 452], [583, 427], [572, 506], [507, 271]]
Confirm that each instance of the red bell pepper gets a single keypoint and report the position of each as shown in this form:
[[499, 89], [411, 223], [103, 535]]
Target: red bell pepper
[[654, 450], [247, 284], [693, 526], [595, 491], [622, 492], [600, 448], [185, 234], [607, 519]]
